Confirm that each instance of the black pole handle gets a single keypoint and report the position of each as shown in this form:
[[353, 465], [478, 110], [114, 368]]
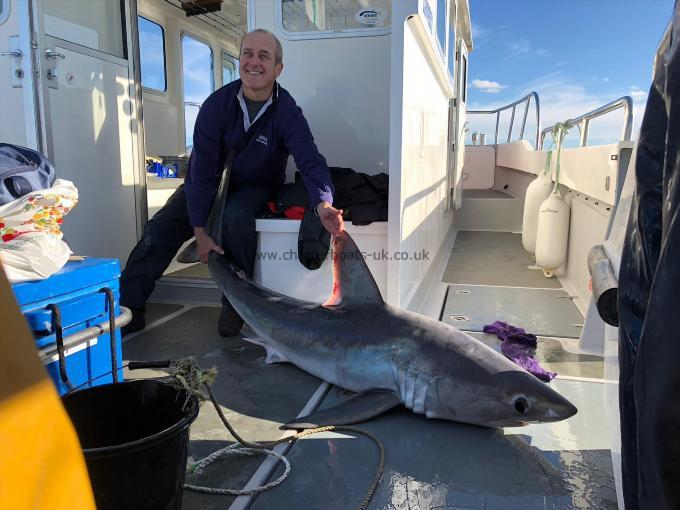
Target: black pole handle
[[135, 365]]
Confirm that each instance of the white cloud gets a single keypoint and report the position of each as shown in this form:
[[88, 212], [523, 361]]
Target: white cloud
[[490, 87], [519, 47], [479, 32], [523, 47], [637, 94]]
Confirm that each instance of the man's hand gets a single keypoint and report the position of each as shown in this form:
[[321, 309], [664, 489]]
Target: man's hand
[[205, 244], [331, 218]]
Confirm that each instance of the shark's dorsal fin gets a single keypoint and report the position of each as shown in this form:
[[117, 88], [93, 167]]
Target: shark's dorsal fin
[[353, 282]]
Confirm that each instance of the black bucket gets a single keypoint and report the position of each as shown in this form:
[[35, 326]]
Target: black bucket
[[135, 438]]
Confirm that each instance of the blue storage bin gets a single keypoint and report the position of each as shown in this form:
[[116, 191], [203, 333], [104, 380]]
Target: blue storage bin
[[74, 295]]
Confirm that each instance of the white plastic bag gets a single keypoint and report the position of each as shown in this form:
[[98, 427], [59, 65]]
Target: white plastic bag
[[31, 247]]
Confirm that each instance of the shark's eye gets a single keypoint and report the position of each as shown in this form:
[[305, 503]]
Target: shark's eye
[[522, 405]]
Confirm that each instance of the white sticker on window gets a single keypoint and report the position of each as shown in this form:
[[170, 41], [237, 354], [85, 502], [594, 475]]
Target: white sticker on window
[[370, 17]]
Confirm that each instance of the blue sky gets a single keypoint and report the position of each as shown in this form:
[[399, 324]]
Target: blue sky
[[577, 54]]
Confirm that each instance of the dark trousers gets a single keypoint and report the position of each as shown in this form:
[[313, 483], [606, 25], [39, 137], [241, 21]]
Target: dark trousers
[[165, 233]]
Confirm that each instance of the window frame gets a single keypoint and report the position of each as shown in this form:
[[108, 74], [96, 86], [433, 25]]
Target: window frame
[[451, 40], [125, 57], [464, 63], [5, 8], [442, 44], [165, 59], [234, 62], [325, 34]]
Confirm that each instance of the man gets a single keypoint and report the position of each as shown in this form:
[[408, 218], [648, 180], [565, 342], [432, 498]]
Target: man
[[261, 122]]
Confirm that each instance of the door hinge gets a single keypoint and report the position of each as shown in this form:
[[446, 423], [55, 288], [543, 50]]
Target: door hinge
[[455, 102]]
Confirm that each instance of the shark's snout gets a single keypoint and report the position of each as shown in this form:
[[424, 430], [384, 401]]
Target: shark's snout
[[558, 409]]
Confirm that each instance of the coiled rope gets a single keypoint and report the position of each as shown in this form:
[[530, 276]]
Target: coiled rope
[[188, 376]]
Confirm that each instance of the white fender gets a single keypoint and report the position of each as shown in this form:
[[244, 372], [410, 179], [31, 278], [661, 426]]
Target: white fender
[[537, 192], [552, 236]]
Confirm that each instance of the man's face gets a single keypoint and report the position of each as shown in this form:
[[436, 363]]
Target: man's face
[[257, 62]]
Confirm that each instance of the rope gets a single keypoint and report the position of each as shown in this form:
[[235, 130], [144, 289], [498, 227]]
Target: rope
[[188, 376], [559, 132]]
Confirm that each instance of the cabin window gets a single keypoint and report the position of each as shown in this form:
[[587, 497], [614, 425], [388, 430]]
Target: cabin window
[[229, 68], [4, 11], [197, 74], [452, 41], [96, 24], [152, 54], [452, 52], [463, 76], [319, 16], [441, 26]]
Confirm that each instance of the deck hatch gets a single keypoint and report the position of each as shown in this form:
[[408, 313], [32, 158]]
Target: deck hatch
[[544, 312]]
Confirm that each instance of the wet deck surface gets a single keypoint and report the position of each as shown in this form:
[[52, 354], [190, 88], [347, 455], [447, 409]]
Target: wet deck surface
[[256, 398], [429, 463]]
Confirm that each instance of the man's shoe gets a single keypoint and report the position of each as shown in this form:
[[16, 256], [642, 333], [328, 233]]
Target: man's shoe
[[230, 322], [137, 323]]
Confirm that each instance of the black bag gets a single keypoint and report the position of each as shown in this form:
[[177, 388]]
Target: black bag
[[22, 171]]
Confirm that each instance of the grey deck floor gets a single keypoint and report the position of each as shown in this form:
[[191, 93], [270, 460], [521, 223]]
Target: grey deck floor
[[256, 398], [197, 270], [484, 193], [429, 463], [493, 258], [434, 464]]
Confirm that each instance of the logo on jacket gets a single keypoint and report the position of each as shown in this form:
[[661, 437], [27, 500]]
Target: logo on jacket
[[262, 139]]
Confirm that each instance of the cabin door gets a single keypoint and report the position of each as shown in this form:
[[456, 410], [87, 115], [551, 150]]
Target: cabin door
[[88, 116], [459, 126]]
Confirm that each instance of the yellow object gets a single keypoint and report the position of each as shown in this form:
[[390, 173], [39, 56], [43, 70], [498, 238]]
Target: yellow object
[[41, 463]]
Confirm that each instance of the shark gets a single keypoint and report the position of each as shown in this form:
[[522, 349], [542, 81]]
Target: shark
[[386, 355]]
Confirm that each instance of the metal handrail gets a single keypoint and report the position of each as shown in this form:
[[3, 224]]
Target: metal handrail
[[88, 334], [514, 106], [625, 102], [193, 103]]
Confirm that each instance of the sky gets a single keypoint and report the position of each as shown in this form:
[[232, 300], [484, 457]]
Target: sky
[[577, 54]]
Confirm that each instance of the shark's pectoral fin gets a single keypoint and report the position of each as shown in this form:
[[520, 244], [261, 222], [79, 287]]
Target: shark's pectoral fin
[[188, 255], [273, 355], [363, 407]]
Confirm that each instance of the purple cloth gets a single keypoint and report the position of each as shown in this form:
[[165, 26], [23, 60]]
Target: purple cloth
[[519, 347]]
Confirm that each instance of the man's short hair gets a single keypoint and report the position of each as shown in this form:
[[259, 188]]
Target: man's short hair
[[278, 55]]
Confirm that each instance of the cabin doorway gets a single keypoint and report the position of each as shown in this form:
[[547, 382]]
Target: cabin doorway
[[86, 115], [183, 59], [459, 124]]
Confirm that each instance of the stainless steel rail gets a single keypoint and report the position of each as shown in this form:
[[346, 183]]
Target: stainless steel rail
[[85, 335], [527, 100], [583, 121]]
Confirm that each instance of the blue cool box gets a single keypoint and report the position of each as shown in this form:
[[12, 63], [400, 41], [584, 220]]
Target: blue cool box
[[76, 290]]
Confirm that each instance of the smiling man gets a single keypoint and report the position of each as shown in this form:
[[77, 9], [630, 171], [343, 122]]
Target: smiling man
[[259, 120]]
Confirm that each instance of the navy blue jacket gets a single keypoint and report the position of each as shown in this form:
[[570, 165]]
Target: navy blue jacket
[[262, 151]]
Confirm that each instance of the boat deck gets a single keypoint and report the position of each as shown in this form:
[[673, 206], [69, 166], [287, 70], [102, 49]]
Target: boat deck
[[429, 463]]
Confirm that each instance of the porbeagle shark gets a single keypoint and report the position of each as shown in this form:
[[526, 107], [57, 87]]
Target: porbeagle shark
[[387, 355]]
